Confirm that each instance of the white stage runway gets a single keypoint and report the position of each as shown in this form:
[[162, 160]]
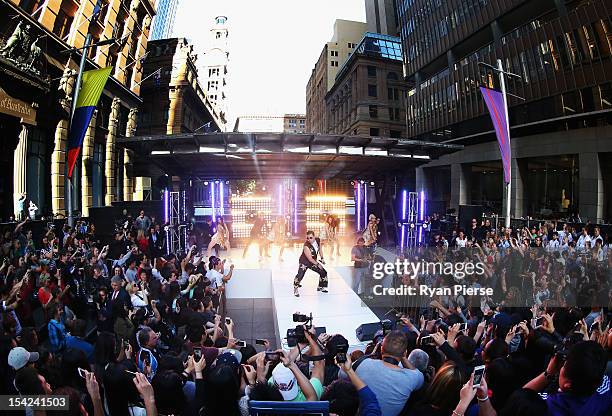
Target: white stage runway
[[340, 310]]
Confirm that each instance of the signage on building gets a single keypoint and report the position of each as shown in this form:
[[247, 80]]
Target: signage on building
[[17, 108]]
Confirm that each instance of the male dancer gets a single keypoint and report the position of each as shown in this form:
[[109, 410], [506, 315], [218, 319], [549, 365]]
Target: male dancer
[[308, 260]]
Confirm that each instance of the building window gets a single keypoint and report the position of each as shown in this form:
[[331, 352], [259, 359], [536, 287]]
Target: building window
[[97, 175], [371, 71], [374, 132], [372, 90], [373, 111], [36, 166]]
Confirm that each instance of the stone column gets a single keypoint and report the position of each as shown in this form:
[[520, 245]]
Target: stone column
[[86, 167], [58, 168], [460, 185], [20, 170], [518, 191], [110, 159], [590, 188], [128, 183]]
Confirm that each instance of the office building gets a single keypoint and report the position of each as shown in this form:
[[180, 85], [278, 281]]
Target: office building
[[37, 80], [368, 95], [173, 100], [560, 126], [345, 38], [163, 23], [214, 66], [381, 16]]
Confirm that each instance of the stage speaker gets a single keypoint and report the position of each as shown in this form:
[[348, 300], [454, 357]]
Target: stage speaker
[[366, 332], [466, 213]]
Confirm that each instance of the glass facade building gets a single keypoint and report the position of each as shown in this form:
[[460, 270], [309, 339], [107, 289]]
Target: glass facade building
[[561, 49], [163, 23]]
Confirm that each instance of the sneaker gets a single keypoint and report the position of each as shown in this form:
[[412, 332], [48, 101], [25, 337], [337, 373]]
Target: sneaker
[[295, 292]]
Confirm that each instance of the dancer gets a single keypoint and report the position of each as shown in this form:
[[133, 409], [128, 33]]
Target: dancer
[[220, 240], [308, 260], [279, 235], [258, 235]]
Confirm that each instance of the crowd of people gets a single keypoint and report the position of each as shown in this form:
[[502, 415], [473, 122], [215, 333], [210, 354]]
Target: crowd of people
[[130, 329]]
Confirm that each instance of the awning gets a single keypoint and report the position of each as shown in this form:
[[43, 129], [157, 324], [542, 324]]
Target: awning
[[278, 155]]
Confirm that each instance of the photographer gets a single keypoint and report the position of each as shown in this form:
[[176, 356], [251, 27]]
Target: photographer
[[391, 383], [583, 389]]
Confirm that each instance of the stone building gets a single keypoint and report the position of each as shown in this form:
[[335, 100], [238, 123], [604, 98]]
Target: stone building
[[367, 97], [37, 78], [173, 99], [335, 52]]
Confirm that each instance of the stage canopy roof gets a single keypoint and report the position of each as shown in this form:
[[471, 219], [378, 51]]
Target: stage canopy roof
[[278, 155]]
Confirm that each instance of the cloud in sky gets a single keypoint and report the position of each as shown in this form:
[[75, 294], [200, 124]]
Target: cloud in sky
[[274, 45]]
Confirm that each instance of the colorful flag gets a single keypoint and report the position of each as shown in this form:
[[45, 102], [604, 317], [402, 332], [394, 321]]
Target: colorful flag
[[497, 111], [89, 95]]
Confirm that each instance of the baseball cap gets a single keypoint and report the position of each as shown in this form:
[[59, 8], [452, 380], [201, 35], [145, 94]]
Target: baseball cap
[[283, 378], [19, 357], [227, 358]]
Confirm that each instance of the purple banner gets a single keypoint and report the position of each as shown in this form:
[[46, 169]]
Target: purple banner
[[495, 104]]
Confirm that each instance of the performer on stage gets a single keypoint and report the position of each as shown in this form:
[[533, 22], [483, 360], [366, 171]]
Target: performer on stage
[[258, 234], [220, 240], [308, 260]]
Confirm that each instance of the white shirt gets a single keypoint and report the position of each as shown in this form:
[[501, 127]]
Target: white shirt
[[215, 278]]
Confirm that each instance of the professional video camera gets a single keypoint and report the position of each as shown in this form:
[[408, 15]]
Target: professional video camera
[[296, 335]]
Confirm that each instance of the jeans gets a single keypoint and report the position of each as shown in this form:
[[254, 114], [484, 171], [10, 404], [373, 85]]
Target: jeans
[[359, 279]]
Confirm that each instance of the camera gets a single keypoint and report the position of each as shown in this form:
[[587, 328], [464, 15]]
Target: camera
[[341, 350], [561, 350]]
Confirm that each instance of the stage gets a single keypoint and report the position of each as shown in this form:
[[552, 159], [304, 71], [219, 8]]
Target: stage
[[340, 310]]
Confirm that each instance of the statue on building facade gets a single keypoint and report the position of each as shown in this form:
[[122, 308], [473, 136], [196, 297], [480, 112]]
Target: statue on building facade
[[23, 50], [115, 111], [132, 122], [66, 85]]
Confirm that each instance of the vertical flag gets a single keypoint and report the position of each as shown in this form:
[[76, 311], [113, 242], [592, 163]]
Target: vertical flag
[[89, 95], [497, 111]]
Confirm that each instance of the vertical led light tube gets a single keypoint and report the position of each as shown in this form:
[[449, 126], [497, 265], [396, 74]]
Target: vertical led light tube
[[166, 206], [280, 199], [365, 205], [358, 205], [295, 209], [212, 200], [404, 196], [221, 198]]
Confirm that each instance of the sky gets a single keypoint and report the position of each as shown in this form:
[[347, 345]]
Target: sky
[[274, 44]]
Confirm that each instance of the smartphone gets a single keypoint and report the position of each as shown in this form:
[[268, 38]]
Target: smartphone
[[228, 321], [272, 356], [197, 353], [427, 340], [81, 372], [478, 373], [241, 344], [260, 342]]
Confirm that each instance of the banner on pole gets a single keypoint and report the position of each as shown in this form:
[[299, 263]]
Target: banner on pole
[[495, 104], [89, 95]]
